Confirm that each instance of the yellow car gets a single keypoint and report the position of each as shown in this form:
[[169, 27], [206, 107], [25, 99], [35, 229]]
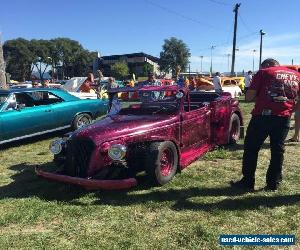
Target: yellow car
[[240, 81]]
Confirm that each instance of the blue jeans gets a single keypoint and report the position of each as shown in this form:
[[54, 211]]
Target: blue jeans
[[260, 127]]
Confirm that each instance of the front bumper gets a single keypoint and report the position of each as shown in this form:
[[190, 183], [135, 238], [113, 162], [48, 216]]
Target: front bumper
[[90, 184]]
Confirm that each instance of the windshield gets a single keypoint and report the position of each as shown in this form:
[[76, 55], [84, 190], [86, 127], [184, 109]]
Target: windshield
[[3, 98], [145, 103]]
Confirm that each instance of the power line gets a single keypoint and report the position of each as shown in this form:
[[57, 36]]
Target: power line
[[245, 24], [181, 15], [220, 3]]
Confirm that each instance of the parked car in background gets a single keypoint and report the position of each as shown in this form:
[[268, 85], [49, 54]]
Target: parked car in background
[[162, 133], [240, 80], [27, 112], [73, 87]]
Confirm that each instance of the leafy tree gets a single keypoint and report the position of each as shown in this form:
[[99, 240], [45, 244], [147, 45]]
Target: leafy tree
[[83, 62], [147, 68], [41, 52], [22, 56], [120, 70], [174, 56], [19, 58], [66, 52]]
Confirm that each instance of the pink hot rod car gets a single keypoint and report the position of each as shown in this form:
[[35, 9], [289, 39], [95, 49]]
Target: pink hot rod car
[[162, 133]]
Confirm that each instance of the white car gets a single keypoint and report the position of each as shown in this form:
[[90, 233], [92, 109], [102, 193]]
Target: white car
[[235, 91], [73, 86]]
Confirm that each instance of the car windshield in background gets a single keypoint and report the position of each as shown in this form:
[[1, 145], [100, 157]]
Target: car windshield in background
[[146, 103], [3, 98]]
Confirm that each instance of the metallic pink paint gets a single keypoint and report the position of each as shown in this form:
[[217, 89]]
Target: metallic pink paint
[[194, 132]]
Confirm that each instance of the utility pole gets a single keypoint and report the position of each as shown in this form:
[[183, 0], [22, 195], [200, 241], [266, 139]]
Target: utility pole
[[236, 10], [260, 47], [253, 60], [211, 64], [201, 63]]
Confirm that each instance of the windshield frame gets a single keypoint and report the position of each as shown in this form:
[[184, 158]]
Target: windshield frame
[[2, 104], [164, 105]]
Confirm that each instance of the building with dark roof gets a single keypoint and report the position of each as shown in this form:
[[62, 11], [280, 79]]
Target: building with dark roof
[[138, 63]]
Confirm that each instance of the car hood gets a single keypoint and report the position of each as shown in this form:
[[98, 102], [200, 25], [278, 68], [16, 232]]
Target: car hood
[[116, 126]]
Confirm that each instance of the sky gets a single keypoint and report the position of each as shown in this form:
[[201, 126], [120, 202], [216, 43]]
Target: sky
[[129, 26]]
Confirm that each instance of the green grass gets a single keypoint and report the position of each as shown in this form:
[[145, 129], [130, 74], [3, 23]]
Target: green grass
[[188, 213]]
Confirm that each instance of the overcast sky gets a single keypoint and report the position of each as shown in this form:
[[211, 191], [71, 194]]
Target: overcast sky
[[120, 26]]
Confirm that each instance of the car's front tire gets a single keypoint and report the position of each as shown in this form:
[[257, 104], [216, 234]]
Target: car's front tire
[[81, 120], [162, 162]]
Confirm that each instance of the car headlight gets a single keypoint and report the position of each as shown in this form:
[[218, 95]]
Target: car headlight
[[56, 146], [117, 152]]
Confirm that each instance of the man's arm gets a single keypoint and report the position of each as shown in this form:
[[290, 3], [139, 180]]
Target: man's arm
[[250, 95]]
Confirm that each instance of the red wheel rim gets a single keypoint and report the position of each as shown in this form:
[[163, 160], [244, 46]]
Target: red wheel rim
[[166, 162]]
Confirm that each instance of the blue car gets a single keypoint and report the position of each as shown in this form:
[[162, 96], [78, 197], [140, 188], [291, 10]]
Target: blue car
[[34, 111]]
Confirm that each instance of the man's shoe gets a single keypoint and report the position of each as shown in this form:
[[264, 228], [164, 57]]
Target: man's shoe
[[241, 184]]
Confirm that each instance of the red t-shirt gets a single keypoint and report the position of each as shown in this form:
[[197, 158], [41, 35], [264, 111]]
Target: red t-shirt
[[277, 89]]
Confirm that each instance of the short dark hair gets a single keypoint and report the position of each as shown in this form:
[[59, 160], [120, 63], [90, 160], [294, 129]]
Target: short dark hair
[[249, 72], [270, 62]]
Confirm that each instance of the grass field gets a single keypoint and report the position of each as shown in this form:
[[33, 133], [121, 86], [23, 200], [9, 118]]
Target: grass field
[[188, 213]]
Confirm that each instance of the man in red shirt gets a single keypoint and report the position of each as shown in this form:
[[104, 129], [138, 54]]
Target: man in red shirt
[[274, 89]]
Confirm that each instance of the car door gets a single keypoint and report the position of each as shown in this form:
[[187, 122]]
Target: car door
[[64, 111], [220, 119], [30, 118], [196, 126]]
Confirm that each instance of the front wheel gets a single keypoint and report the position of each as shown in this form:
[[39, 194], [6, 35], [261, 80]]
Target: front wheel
[[162, 162], [234, 129], [81, 120]]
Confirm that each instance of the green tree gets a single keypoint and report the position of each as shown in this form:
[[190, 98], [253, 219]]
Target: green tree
[[64, 53], [147, 68], [174, 56], [41, 59], [19, 58], [120, 70]]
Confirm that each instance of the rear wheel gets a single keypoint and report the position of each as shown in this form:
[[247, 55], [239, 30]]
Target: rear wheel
[[234, 129], [162, 162], [81, 120]]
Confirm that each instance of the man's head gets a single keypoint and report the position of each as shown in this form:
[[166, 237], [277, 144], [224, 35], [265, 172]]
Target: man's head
[[217, 74], [150, 76], [270, 62], [90, 76], [111, 79], [249, 72]]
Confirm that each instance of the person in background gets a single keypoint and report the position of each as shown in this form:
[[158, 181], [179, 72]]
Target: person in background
[[86, 86], [296, 136], [274, 89], [186, 82], [192, 84], [248, 80], [180, 82], [111, 84], [46, 83], [35, 84], [217, 83], [151, 81]]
